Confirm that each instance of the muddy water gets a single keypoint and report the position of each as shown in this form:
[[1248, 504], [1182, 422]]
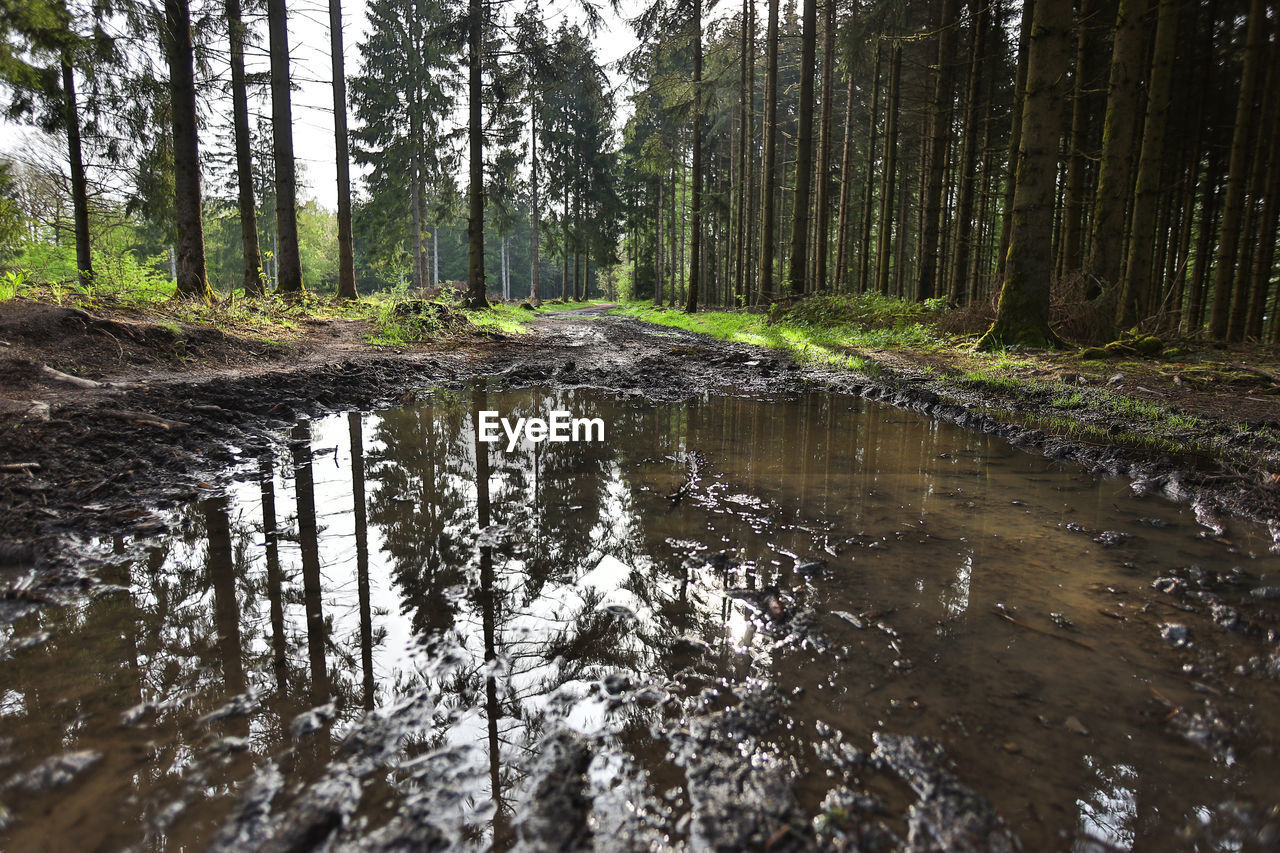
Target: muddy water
[[707, 630]]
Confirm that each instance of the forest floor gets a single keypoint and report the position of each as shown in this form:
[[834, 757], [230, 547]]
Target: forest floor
[[109, 414]]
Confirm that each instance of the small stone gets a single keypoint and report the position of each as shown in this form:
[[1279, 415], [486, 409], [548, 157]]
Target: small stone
[[1011, 748], [1175, 633], [1266, 593], [1073, 724]]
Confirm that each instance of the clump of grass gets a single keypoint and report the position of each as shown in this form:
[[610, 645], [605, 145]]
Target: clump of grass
[[827, 330]]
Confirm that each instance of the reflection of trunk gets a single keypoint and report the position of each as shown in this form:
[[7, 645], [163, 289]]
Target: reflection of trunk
[[488, 607], [309, 542], [279, 660], [362, 556], [226, 614]]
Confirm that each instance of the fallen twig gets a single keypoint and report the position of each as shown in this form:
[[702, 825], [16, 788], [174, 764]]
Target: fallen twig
[[144, 418], [1073, 641]]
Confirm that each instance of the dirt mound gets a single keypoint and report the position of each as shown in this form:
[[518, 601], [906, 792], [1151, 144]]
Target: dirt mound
[[85, 344]]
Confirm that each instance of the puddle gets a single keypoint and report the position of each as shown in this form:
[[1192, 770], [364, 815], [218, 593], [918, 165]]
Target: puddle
[[715, 628]]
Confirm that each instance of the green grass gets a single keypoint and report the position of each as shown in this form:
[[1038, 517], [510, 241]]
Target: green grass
[[820, 330], [554, 306]]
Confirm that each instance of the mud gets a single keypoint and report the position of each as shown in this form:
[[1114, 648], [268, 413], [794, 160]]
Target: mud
[[98, 460], [780, 669]]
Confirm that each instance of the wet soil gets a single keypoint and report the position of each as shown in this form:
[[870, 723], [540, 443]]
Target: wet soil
[[171, 405], [125, 460]]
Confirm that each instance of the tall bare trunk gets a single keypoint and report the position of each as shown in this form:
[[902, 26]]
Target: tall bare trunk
[[1138, 286], [868, 184], [1115, 171], [695, 201], [960, 288], [939, 135], [804, 152], [823, 225], [536, 213], [1015, 131], [846, 182], [346, 252], [193, 281], [885, 243], [79, 183], [475, 143], [1022, 317], [255, 281], [769, 168], [288, 255]]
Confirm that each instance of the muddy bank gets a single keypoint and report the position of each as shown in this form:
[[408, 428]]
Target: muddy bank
[[89, 461]]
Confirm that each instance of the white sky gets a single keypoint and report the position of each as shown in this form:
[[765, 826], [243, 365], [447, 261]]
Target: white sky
[[311, 70], [313, 101]]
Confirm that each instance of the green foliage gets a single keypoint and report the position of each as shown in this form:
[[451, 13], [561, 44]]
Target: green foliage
[[12, 283]]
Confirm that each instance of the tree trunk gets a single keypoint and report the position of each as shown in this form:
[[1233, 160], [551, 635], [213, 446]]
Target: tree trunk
[[1022, 316], [841, 277], [746, 99], [1138, 286], [939, 135], [695, 213], [1081, 113], [868, 184], [193, 281], [1015, 131], [888, 173], [1224, 267], [657, 250], [800, 203], [769, 168], [536, 213], [346, 253], [960, 287], [823, 226], [79, 184], [1115, 171], [288, 255], [255, 281], [475, 138]]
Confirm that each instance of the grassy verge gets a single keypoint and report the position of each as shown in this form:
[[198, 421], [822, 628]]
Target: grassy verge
[[820, 330], [395, 318]]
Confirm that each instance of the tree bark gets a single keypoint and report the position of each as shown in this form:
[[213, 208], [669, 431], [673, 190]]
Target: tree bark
[[960, 286], [888, 173], [1081, 115], [939, 135], [695, 202], [769, 168], [193, 281], [823, 226], [1115, 170], [255, 281], [799, 258], [1224, 267], [475, 138], [536, 212], [1015, 131], [868, 183], [79, 183], [1022, 315], [288, 255], [346, 252]]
